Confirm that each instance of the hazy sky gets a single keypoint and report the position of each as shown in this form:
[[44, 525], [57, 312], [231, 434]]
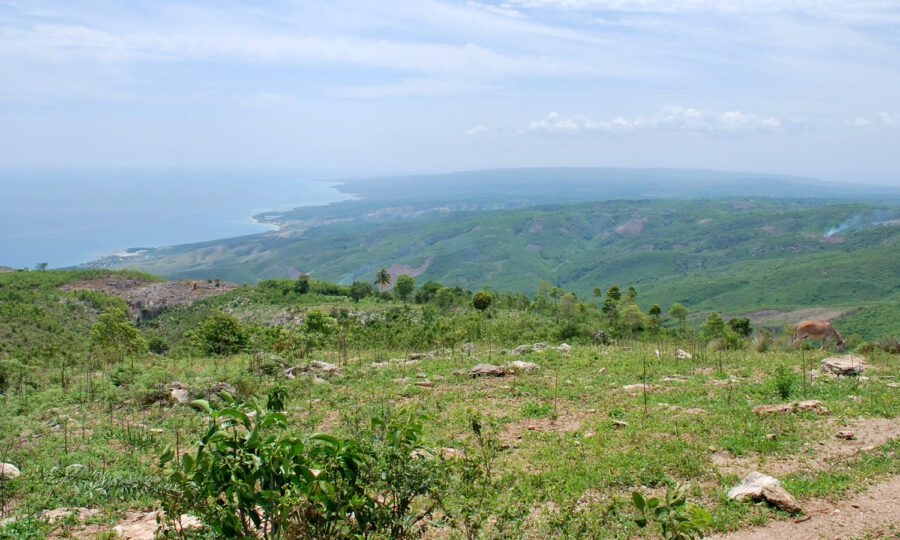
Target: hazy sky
[[808, 87]]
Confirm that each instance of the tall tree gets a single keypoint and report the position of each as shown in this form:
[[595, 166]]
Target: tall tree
[[383, 279]]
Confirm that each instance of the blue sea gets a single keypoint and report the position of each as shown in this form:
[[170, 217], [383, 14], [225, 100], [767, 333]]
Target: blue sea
[[68, 219]]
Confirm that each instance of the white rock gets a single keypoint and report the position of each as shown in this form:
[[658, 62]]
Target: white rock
[[758, 486], [182, 396], [8, 471]]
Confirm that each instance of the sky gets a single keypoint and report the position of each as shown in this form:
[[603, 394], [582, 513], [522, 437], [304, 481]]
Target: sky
[[332, 88]]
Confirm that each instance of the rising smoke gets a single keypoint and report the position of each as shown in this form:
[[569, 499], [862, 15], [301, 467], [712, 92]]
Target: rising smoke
[[864, 221]]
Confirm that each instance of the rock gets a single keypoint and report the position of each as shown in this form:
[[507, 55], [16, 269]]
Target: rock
[[416, 356], [401, 380], [75, 468], [845, 365], [893, 385], [409, 362], [8, 471], [425, 384], [468, 347], [639, 387], [143, 525], [377, 365], [674, 378], [487, 369], [539, 346], [459, 372], [809, 405], [565, 347], [325, 368], [620, 423], [421, 375], [181, 396], [626, 348], [683, 355], [53, 515], [771, 436], [520, 350], [222, 387], [293, 372], [519, 366], [759, 487], [846, 435], [319, 380]]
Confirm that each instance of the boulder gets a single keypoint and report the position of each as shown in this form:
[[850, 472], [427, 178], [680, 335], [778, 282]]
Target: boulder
[[683, 355], [377, 365], [325, 368], [468, 347], [845, 365], [539, 346], [181, 396], [521, 349], [487, 369], [8, 471], [518, 366], [222, 387], [808, 405], [760, 487], [565, 347]]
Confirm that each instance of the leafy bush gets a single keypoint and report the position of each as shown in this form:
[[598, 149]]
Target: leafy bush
[[762, 339], [890, 344], [220, 334], [249, 474], [784, 379], [677, 518]]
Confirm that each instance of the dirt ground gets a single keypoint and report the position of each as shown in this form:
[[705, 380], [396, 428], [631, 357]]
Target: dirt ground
[[878, 507]]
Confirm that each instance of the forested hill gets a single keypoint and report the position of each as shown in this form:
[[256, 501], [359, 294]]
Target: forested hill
[[725, 254]]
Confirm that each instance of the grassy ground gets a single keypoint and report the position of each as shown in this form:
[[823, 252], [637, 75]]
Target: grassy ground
[[561, 465]]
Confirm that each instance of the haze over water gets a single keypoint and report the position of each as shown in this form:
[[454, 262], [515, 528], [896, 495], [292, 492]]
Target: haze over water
[[67, 219]]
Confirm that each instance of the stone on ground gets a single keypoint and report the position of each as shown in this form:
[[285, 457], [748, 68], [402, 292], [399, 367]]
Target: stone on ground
[[518, 366], [487, 369], [759, 487], [808, 405], [181, 396], [844, 365], [683, 355], [8, 471]]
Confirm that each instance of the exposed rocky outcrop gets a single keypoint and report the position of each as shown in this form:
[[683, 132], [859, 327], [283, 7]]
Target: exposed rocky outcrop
[[760, 487]]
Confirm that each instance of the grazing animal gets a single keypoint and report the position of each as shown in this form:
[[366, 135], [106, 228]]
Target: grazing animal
[[818, 330]]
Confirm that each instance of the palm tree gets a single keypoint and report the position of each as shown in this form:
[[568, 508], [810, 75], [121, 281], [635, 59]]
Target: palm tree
[[382, 279]]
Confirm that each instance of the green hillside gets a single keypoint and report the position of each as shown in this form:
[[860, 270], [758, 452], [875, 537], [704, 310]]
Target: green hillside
[[731, 254]]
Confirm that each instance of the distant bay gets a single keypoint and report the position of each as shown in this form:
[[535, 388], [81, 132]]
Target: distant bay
[[68, 219]]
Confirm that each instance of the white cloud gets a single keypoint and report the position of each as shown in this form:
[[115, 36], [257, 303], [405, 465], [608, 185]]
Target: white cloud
[[877, 119], [670, 119], [475, 130]]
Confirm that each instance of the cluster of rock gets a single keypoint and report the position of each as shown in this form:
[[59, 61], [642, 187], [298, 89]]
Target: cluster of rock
[[8, 471], [523, 349], [492, 370], [319, 371]]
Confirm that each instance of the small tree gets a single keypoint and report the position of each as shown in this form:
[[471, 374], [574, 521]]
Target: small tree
[[614, 293], [714, 327], [631, 292], [740, 326], [444, 297], [482, 300], [40, 266], [360, 290], [302, 285], [115, 335], [404, 286], [631, 318], [220, 334], [655, 320], [679, 312]]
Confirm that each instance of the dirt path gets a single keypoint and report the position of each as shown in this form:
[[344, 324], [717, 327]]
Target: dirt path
[[876, 507]]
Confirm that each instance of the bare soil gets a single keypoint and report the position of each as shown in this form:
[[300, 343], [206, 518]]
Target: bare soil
[[148, 299], [868, 433], [879, 506]]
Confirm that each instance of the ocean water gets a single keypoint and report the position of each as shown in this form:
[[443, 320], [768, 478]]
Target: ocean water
[[67, 219]]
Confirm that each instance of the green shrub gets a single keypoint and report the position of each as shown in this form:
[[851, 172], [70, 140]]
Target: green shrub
[[249, 473], [677, 518], [220, 334], [784, 379]]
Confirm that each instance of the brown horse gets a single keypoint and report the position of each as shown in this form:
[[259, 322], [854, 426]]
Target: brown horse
[[818, 330]]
